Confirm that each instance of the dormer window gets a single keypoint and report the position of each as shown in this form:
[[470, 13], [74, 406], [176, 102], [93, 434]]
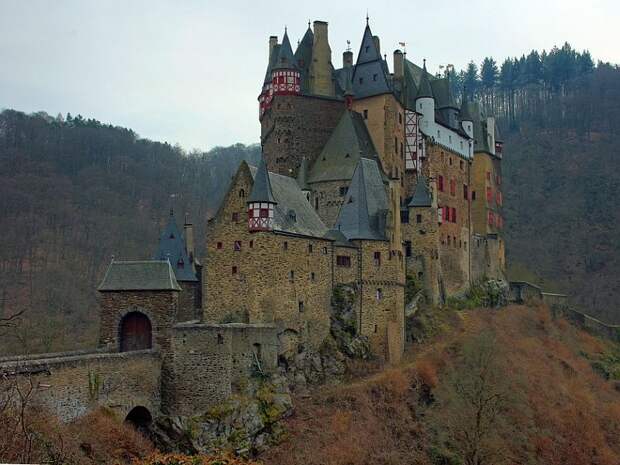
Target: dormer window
[[374, 77], [180, 263], [366, 49], [242, 193], [171, 236], [361, 80]]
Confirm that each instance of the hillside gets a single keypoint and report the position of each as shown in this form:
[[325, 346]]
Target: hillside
[[75, 193], [482, 387], [492, 387]]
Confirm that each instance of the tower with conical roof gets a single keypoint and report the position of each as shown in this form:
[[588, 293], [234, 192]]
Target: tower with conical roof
[[285, 77], [425, 101], [261, 202]]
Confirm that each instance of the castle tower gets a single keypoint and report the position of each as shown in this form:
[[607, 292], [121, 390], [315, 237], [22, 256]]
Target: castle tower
[[420, 234], [285, 77], [302, 178], [425, 102], [261, 202]]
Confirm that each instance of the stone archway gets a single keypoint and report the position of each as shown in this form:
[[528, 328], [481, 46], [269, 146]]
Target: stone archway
[[140, 418], [135, 332]]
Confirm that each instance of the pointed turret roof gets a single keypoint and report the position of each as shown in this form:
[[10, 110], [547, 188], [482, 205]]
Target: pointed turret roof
[[364, 211], [425, 89], [172, 247], [302, 175], [303, 57], [368, 48], [370, 76], [465, 113], [285, 58], [261, 190], [349, 142], [421, 195]]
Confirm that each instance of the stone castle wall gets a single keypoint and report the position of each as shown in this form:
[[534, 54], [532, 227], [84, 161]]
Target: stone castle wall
[[72, 384], [189, 309], [296, 127], [327, 198], [277, 278]]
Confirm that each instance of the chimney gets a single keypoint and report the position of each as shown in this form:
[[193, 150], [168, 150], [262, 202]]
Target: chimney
[[377, 44], [399, 64], [273, 41], [188, 230], [347, 59], [321, 67]]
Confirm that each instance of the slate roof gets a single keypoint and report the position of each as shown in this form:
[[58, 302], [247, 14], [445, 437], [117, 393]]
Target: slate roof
[[364, 211], [421, 196], [293, 213], [371, 69], [261, 190], [465, 113], [338, 238], [172, 247], [349, 142], [303, 59], [285, 58], [442, 91], [424, 88], [148, 275]]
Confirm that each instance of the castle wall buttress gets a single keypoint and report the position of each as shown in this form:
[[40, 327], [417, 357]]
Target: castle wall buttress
[[297, 126]]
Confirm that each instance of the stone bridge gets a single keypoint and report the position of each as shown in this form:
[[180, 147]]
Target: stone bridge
[[70, 384]]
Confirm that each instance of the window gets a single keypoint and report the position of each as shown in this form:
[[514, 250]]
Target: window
[[374, 77], [291, 276], [407, 248], [498, 197], [312, 276], [285, 245], [440, 183], [498, 179], [395, 145], [465, 192], [438, 134], [488, 175], [450, 160], [316, 203], [309, 248], [361, 80], [454, 215], [491, 219], [301, 306], [242, 193], [235, 217], [375, 328], [400, 118], [251, 244], [220, 339], [453, 187], [404, 216], [379, 294], [418, 218], [465, 245], [343, 190], [219, 245], [237, 246], [263, 213], [489, 194], [473, 195], [461, 164], [365, 114], [324, 250], [366, 48], [377, 258], [234, 270], [343, 260]]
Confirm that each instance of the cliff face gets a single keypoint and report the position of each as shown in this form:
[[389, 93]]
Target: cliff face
[[528, 379]]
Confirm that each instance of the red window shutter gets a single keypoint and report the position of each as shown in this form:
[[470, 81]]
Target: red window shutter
[[454, 215], [465, 192], [489, 194], [452, 187], [440, 182]]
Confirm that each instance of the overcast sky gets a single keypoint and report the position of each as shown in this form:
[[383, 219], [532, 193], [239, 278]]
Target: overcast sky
[[190, 71]]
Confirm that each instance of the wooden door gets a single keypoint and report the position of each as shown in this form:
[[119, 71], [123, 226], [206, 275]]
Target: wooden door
[[135, 332]]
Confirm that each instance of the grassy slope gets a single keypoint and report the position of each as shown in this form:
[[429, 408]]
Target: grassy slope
[[560, 411]]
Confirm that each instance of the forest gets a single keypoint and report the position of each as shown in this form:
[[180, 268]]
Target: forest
[[76, 192]]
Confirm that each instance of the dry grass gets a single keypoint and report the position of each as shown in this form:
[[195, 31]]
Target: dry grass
[[568, 414]]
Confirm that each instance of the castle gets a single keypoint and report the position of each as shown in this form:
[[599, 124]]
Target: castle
[[368, 178]]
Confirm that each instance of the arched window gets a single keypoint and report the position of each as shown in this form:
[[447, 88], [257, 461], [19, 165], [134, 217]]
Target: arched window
[[242, 193], [135, 332]]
